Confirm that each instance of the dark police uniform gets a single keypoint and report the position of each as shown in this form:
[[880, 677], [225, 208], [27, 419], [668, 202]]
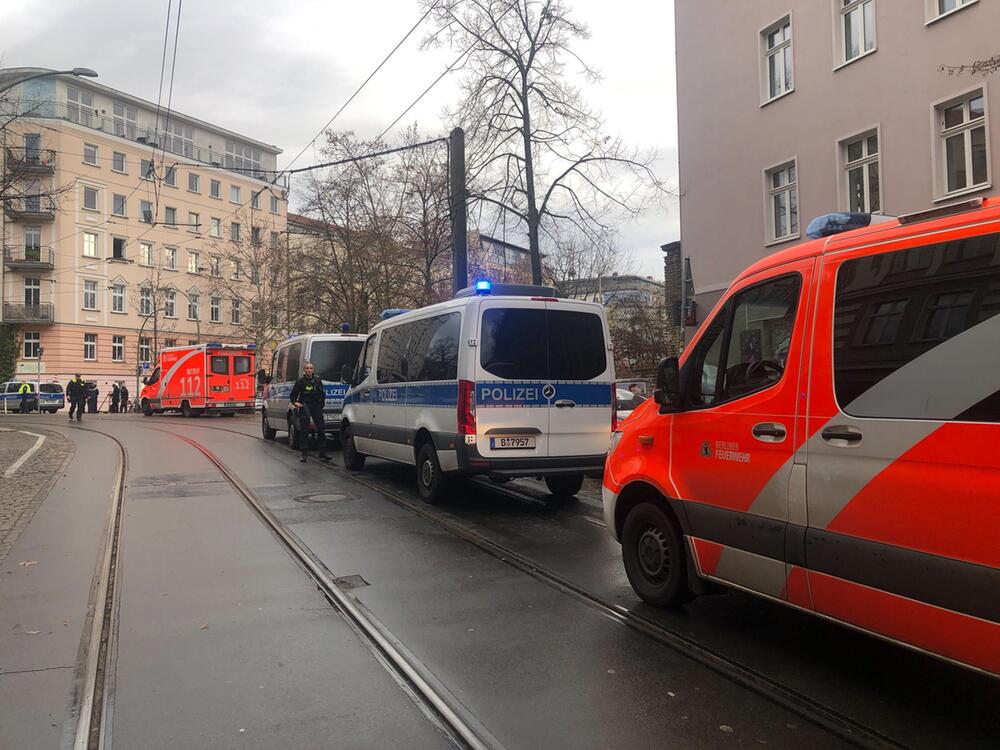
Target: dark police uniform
[[309, 392], [75, 394]]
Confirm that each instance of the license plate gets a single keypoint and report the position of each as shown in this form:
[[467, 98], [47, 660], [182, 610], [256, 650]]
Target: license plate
[[512, 443]]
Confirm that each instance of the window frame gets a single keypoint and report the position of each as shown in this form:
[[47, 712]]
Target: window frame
[[90, 340], [169, 223], [146, 258], [114, 159], [194, 222], [169, 258], [770, 235], [96, 152], [236, 312], [92, 291], [933, 15], [939, 140], [844, 167], [840, 14], [196, 257], [115, 239], [236, 190], [215, 309], [215, 189], [764, 53], [194, 303], [195, 179], [118, 345], [124, 205], [35, 343], [118, 292], [97, 198], [97, 245]]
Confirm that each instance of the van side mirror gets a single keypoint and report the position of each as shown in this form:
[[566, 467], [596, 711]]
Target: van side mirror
[[347, 374], [667, 393]]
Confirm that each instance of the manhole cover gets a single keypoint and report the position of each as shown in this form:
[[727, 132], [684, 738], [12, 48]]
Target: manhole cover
[[323, 497]]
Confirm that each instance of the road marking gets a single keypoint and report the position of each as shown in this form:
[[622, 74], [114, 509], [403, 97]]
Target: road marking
[[17, 464], [6, 429]]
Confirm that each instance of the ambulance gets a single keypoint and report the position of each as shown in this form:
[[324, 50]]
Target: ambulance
[[502, 381], [829, 439], [201, 379]]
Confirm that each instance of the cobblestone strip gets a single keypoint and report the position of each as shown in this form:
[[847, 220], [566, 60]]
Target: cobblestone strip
[[22, 493]]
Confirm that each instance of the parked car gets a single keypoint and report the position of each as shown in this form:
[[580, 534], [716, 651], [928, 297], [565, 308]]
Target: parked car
[[626, 401]]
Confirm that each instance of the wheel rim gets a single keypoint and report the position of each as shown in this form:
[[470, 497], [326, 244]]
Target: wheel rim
[[427, 472], [653, 554]]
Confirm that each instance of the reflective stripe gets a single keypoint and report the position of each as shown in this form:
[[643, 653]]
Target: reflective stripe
[[173, 369]]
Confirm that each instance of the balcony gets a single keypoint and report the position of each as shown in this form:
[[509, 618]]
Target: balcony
[[23, 160], [17, 312], [29, 257], [31, 208]]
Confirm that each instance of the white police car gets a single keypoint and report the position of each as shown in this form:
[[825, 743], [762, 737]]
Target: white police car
[[329, 353], [503, 380]]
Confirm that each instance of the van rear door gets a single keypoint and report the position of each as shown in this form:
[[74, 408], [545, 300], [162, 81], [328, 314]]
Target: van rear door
[[242, 384], [511, 379], [219, 376]]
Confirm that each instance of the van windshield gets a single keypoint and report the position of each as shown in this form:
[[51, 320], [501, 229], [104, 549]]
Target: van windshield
[[538, 344], [329, 357]]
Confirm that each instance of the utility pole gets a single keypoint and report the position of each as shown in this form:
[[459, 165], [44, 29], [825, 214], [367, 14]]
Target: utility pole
[[459, 228]]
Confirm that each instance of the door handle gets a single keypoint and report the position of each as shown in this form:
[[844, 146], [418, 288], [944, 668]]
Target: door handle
[[841, 432], [565, 403], [769, 432]]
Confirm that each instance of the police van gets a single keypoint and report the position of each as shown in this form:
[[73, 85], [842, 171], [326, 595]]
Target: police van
[[329, 353], [503, 380]]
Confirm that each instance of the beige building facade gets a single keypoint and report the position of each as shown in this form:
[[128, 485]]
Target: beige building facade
[[117, 240], [790, 109]]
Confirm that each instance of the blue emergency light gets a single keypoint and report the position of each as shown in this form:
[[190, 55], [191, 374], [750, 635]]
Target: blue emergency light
[[483, 286], [213, 345], [345, 327]]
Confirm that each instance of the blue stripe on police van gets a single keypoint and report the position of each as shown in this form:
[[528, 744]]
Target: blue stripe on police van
[[334, 392], [489, 394]]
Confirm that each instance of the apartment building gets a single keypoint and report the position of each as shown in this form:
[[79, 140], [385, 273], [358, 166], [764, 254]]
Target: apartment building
[[127, 230], [789, 109], [607, 290]]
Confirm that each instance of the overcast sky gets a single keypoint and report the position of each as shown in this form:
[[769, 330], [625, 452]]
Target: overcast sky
[[278, 71]]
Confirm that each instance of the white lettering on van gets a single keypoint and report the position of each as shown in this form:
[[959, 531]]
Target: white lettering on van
[[730, 451]]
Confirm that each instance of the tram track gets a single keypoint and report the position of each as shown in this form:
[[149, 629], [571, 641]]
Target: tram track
[[843, 726]]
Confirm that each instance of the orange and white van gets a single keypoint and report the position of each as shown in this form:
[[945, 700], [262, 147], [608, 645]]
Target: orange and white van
[[830, 439], [201, 379]]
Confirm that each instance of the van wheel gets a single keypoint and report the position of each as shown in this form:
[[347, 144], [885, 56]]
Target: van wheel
[[353, 460], [654, 556], [147, 410], [293, 433], [432, 484], [265, 430], [186, 409], [564, 485]]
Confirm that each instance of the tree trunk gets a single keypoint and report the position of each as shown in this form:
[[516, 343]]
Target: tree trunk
[[529, 180]]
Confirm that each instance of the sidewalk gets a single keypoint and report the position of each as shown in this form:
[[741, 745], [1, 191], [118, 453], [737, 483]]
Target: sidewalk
[[47, 576]]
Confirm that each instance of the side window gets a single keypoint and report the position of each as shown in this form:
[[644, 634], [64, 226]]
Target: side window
[[390, 356], [433, 350], [220, 365], [364, 366], [762, 320], [241, 365], [705, 361], [280, 359], [154, 376], [929, 318], [293, 362]]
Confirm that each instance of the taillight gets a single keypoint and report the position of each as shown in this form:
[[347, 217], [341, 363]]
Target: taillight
[[466, 407], [614, 408]]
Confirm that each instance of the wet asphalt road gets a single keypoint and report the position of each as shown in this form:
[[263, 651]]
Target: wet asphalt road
[[219, 631]]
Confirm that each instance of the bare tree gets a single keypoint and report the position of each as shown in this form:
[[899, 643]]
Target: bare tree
[[575, 256], [638, 330], [537, 151], [984, 68]]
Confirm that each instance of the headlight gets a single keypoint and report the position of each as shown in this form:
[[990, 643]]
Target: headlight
[[616, 437]]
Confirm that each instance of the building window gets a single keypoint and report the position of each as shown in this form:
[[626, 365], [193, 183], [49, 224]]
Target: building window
[[255, 199], [237, 318], [255, 235], [170, 303], [236, 269], [117, 298], [234, 232], [234, 193], [939, 8], [124, 120], [32, 292], [118, 248], [89, 295], [119, 205], [215, 189], [193, 301], [33, 240], [90, 346], [79, 105], [180, 139], [145, 212], [861, 162], [168, 343], [193, 262], [963, 148], [146, 169], [242, 158], [855, 28], [170, 176], [90, 154], [274, 204], [215, 310], [216, 230], [119, 162], [216, 265], [254, 313], [776, 60], [194, 182], [144, 349], [32, 343], [145, 253], [90, 198], [90, 244], [146, 300], [170, 258], [194, 222], [782, 203], [275, 238], [117, 348], [170, 217]]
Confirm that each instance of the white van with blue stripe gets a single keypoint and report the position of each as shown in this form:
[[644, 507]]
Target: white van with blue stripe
[[329, 353], [503, 380]]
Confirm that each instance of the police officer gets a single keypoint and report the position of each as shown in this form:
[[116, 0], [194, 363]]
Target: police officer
[[76, 393], [25, 391], [113, 408], [123, 405], [308, 397]]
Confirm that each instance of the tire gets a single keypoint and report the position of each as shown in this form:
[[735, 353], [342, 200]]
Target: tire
[[265, 430], [654, 556], [353, 460], [147, 410], [293, 433], [432, 483], [186, 409], [564, 485]]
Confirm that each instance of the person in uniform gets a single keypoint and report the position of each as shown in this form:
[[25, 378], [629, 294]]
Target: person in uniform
[[92, 394], [25, 391], [308, 397], [76, 393], [123, 404], [113, 408]]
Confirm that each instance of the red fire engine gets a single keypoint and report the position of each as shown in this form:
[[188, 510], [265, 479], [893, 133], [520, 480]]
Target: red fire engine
[[201, 379]]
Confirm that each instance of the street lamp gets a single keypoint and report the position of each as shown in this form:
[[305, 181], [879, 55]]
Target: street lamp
[[80, 72]]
